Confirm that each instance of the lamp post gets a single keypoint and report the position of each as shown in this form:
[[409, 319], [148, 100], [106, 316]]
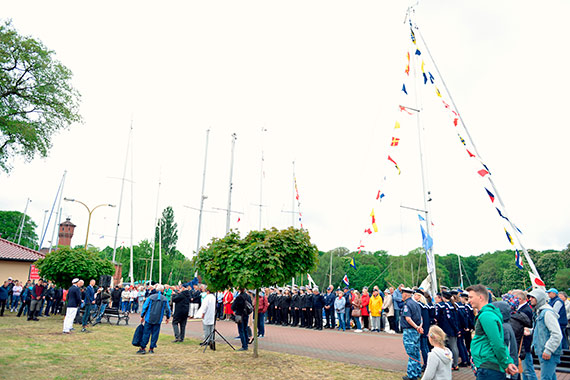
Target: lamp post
[[90, 211]]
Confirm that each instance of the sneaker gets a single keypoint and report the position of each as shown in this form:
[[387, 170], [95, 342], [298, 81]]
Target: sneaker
[[151, 351], [365, 330], [242, 349], [357, 331], [142, 351], [176, 341]]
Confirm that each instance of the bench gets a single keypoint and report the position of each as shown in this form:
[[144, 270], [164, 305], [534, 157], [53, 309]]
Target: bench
[[112, 312]]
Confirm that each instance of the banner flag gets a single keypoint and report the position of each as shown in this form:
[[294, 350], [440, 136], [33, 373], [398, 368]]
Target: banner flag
[[491, 195], [518, 260], [483, 172], [536, 282], [352, 262], [404, 89], [345, 280], [395, 141]]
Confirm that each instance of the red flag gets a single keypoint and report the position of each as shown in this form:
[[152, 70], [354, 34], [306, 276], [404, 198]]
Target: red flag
[[238, 219], [470, 154], [394, 162], [403, 109], [455, 121], [368, 231], [395, 141], [483, 172]]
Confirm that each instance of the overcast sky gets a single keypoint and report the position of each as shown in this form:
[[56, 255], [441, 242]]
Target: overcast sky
[[324, 79]]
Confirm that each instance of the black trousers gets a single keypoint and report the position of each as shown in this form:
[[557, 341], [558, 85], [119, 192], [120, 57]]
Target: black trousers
[[318, 316], [303, 315], [309, 317], [277, 316], [270, 314], [179, 327], [2, 306], [295, 317], [22, 306], [329, 315], [284, 316]]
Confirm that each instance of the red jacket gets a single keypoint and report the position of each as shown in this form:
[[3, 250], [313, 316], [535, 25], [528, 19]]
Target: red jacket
[[263, 304], [364, 308]]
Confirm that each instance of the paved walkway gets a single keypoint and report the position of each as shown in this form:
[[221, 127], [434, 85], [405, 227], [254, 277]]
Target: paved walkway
[[379, 350]]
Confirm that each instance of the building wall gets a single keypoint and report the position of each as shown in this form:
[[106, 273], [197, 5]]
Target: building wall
[[18, 270]]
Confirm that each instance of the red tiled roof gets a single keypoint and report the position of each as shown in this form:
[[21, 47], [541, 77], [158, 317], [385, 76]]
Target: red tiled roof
[[13, 251]]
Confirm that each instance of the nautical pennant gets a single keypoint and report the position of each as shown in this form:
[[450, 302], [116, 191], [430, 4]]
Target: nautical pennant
[[374, 225], [509, 237], [397, 126], [437, 92], [483, 172], [501, 214], [425, 78], [431, 78], [518, 259], [404, 89], [368, 231], [455, 121], [491, 195], [380, 195], [408, 66], [345, 280], [352, 262], [461, 139], [395, 141], [413, 36], [418, 52], [427, 241], [394, 162], [403, 109], [470, 154], [421, 218]]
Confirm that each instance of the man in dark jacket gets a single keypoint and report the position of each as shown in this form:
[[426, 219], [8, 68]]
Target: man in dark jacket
[[180, 317], [155, 308], [116, 297], [3, 297], [50, 297], [318, 304], [38, 295], [240, 309], [195, 298], [329, 308], [73, 304], [89, 302]]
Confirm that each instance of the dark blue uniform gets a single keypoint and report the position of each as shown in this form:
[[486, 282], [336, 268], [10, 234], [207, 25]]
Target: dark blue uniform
[[411, 337], [446, 317]]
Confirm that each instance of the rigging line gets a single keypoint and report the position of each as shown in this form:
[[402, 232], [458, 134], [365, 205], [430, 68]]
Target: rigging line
[[515, 230]]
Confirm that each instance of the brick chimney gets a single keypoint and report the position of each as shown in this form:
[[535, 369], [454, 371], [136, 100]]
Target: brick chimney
[[66, 233]]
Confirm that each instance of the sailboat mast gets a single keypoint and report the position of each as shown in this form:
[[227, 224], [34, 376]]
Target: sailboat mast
[[202, 197], [154, 229], [23, 220], [121, 196], [293, 199], [58, 210], [229, 210], [460, 271]]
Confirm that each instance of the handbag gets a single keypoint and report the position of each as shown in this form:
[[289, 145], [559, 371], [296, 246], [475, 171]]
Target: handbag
[[356, 313], [137, 336]]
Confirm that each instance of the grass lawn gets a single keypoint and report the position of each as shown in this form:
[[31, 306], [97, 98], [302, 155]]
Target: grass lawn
[[38, 350]]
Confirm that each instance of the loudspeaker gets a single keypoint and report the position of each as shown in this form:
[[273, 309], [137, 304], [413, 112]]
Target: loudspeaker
[[105, 281]]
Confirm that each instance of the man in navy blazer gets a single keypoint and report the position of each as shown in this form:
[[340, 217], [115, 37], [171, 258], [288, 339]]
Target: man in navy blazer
[[89, 302], [73, 303]]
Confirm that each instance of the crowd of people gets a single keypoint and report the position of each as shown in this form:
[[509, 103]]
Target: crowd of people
[[469, 328]]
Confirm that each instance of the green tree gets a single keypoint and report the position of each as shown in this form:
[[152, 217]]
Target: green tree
[[36, 97], [562, 279], [64, 264], [168, 232], [547, 266], [9, 228], [261, 259]]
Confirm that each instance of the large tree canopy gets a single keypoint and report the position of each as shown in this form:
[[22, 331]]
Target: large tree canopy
[[9, 228], [36, 97]]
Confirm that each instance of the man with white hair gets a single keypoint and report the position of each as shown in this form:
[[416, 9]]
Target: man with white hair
[[208, 314], [154, 309]]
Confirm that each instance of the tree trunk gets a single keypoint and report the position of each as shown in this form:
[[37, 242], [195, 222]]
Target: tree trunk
[[256, 314]]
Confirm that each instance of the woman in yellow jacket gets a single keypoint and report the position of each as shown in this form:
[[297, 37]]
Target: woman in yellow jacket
[[375, 307]]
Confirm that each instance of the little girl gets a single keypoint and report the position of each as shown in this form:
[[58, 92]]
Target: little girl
[[440, 358]]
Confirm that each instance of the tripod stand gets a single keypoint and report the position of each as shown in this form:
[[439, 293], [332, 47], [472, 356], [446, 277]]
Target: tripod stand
[[211, 339]]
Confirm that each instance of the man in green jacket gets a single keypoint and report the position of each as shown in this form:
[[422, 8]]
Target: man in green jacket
[[488, 350]]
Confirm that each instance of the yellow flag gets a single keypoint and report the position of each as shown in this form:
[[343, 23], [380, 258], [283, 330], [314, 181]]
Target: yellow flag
[[397, 125], [423, 67], [375, 227]]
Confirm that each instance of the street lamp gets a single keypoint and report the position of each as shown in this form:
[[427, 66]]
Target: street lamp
[[90, 212]]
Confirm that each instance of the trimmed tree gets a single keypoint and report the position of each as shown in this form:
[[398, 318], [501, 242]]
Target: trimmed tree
[[261, 259], [66, 263]]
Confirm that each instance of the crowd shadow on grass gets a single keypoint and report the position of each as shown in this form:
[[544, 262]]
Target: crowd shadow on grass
[[38, 350]]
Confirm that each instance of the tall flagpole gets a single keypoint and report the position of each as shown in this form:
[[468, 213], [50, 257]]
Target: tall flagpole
[[154, 229], [23, 219], [202, 196], [121, 195], [55, 226], [229, 210], [131, 275], [425, 192], [261, 179]]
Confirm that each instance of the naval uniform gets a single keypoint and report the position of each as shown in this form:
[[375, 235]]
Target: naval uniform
[[411, 337]]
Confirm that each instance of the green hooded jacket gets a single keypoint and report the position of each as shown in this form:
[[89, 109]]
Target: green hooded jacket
[[487, 347]]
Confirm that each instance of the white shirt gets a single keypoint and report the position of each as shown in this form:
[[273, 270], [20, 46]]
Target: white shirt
[[208, 309]]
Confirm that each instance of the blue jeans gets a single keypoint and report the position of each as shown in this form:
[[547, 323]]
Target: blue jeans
[[341, 323], [261, 324], [397, 320], [48, 307], [489, 374], [15, 302], [124, 306], [528, 368], [242, 329], [548, 367], [101, 311], [151, 330], [347, 318], [86, 313], [357, 322]]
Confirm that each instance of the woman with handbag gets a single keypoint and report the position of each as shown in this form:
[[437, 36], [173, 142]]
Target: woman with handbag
[[356, 311]]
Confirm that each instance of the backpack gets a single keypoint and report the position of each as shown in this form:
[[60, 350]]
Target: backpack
[[248, 308]]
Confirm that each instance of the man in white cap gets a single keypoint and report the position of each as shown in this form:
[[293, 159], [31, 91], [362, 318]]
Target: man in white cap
[[73, 302]]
